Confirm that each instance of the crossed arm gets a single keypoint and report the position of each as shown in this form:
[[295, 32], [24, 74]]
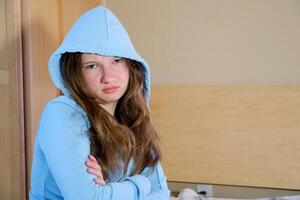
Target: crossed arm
[[65, 146]]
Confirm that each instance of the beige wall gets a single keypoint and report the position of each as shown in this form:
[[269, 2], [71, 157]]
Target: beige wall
[[216, 42]]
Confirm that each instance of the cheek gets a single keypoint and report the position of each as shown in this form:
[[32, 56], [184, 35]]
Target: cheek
[[126, 78], [90, 81], [123, 75]]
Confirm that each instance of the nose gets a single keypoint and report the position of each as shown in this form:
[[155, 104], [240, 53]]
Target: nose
[[107, 75]]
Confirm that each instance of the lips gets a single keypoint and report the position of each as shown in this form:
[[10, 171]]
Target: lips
[[110, 90]]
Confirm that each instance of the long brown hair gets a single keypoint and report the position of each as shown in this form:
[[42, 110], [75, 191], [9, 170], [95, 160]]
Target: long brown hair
[[116, 139]]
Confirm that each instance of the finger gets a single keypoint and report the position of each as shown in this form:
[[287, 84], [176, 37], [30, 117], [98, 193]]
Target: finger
[[92, 158], [99, 181], [93, 165], [95, 172], [94, 161]]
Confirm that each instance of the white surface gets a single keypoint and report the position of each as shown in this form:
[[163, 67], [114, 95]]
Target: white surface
[[207, 188]]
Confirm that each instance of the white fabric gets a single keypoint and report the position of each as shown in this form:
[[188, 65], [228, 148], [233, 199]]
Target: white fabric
[[190, 194]]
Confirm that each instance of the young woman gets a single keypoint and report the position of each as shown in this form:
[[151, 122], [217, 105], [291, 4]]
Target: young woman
[[103, 112]]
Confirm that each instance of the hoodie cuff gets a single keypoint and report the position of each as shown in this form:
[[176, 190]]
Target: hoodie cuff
[[123, 189], [142, 184]]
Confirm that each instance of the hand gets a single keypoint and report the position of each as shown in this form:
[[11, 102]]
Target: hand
[[95, 169]]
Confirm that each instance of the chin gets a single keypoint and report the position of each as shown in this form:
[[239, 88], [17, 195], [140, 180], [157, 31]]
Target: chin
[[110, 99]]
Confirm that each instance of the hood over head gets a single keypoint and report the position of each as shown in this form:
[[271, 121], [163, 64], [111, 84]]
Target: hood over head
[[98, 31]]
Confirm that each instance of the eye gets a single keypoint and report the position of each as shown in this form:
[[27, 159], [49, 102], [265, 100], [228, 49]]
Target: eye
[[91, 66], [117, 60]]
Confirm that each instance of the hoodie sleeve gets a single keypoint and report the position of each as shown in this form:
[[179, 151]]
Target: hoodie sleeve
[[159, 187], [65, 145]]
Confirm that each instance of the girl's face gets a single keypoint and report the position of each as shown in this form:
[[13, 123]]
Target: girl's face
[[106, 78]]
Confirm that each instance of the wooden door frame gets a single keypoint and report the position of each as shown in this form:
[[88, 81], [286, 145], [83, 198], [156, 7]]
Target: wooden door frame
[[16, 98]]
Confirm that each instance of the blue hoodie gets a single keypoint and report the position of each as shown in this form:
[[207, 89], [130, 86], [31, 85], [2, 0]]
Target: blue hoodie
[[62, 144]]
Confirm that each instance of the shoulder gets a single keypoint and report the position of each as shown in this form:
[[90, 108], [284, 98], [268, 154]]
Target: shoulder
[[62, 118], [63, 112], [63, 107], [65, 104]]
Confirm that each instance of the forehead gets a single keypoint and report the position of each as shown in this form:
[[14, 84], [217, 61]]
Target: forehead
[[87, 57]]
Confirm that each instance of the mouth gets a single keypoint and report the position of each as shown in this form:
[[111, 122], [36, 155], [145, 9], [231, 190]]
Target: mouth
[[110, 90]]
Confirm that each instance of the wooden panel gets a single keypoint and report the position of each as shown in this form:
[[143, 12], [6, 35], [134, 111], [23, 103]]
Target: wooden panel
[[232, 135], [12, 156], [3, 77], [3, 53], [5, 154]]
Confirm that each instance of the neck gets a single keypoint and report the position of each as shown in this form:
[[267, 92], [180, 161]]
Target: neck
[[110, 108]]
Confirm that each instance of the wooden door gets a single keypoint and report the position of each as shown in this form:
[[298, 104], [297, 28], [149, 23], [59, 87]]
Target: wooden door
[[12, 151]]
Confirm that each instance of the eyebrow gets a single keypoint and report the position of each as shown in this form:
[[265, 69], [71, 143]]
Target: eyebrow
[[94, 61], [88, 62]]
